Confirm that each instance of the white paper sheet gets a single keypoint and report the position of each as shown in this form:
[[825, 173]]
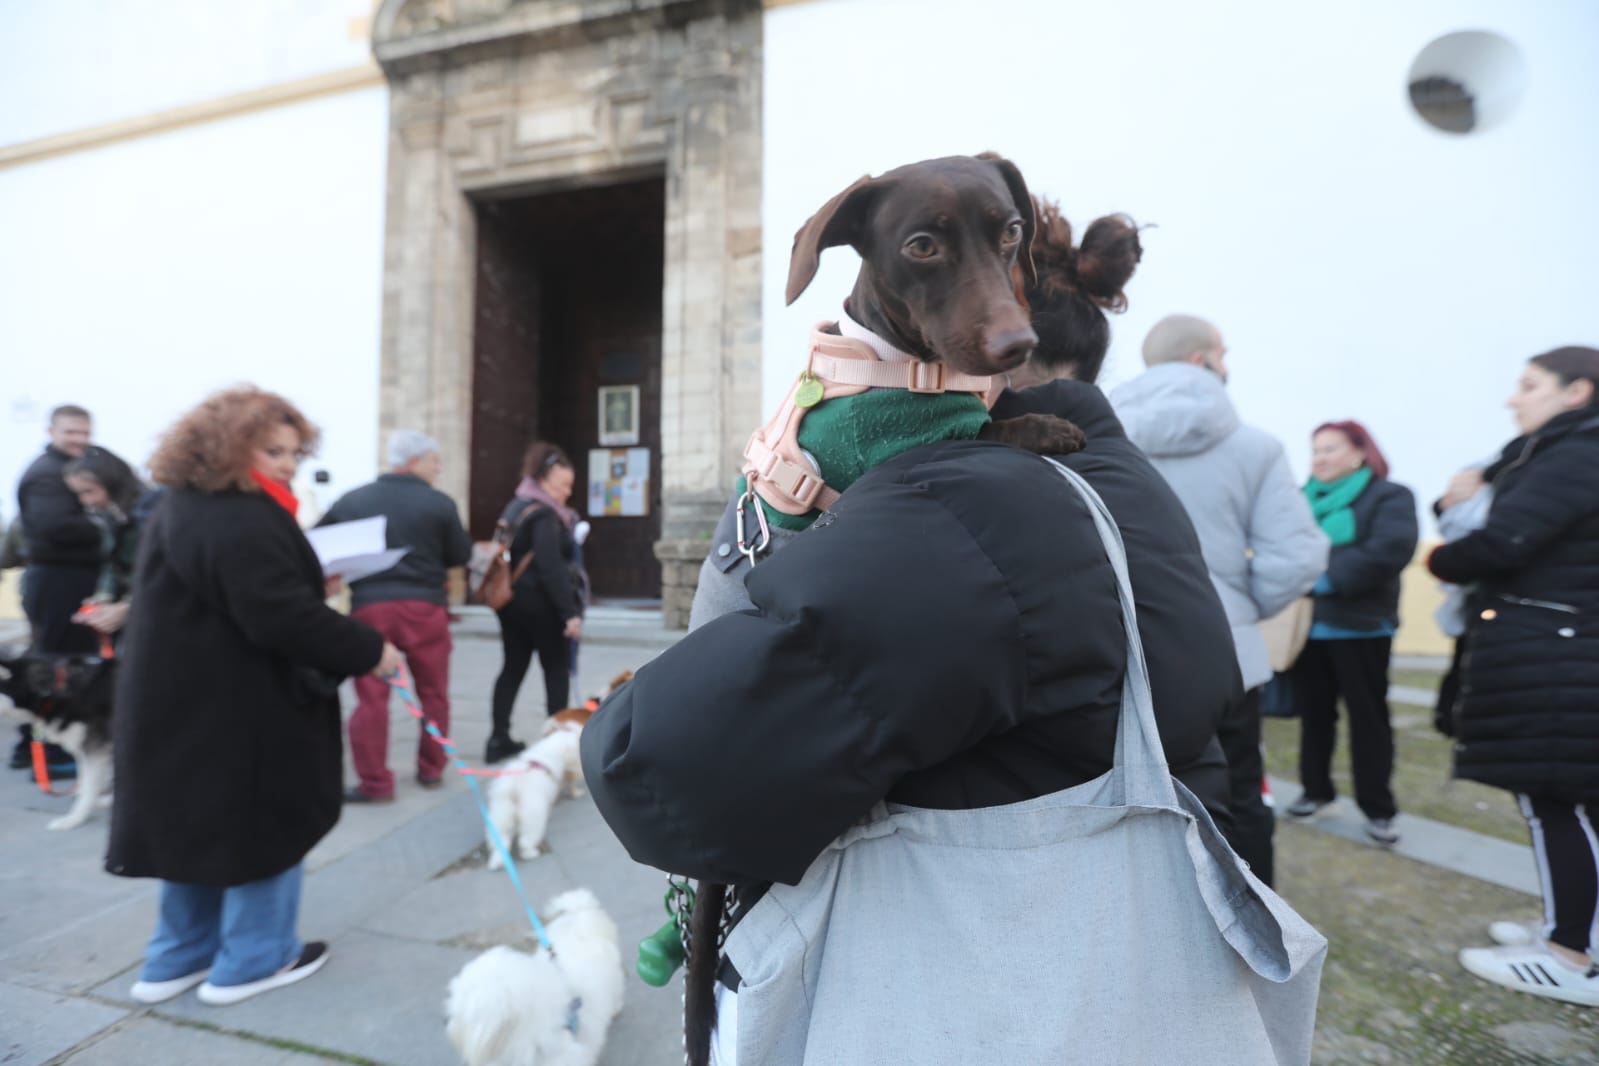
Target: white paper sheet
[[354, 550]]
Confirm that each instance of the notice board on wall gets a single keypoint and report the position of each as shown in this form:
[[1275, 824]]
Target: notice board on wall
[[619, 482]]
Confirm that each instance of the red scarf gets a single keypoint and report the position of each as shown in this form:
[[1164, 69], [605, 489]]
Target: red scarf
[[279, 492]]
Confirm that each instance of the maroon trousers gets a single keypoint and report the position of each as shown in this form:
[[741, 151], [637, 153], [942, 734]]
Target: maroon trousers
[[422, 632]]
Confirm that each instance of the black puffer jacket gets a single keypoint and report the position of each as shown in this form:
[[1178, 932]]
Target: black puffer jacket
[[947, 637], [1527, 717], [1365, 573]]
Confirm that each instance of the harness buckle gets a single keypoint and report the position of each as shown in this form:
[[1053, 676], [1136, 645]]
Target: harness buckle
[[925, 377]]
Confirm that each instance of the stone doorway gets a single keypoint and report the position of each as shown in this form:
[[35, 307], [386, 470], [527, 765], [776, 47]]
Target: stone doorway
[[491, 100], [568, 301]]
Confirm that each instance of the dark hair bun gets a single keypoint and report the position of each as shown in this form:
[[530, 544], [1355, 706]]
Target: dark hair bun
[[1106, 260], [1077, 285]]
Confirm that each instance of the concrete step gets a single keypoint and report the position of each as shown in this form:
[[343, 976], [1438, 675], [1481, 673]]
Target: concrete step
[[607, 625], [1486, 858]]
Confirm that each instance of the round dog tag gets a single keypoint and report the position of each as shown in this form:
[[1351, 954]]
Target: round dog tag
[[810, 392]]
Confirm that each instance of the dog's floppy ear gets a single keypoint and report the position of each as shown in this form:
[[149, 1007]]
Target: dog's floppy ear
[[1024, 206], [838, 222]]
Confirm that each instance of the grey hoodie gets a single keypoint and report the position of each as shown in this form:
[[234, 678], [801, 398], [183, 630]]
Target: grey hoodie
[[1263, 547]]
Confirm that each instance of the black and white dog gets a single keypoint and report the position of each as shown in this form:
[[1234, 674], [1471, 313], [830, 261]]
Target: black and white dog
[[67, 699]]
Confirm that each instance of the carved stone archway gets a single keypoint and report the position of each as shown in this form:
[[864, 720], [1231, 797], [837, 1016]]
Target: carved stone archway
[[500, 97]]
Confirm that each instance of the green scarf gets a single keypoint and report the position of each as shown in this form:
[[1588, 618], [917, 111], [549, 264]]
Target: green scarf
[[1330, 500], [849, 435]]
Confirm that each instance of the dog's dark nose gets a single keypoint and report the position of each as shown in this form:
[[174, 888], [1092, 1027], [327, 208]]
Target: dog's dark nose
[[1008, 347]]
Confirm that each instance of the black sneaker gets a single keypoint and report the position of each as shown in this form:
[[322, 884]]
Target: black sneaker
[[1305, 806], [312, 958], [501, 747], [22, 755]]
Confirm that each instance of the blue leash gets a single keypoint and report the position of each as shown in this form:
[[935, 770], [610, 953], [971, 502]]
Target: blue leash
[[399, 682]]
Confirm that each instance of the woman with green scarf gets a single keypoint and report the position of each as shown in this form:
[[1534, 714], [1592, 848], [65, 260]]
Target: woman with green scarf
[[1371, 522]]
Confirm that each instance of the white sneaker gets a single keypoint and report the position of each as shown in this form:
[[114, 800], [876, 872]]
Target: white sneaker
[[312, 958], [161, 991], [1534, 970], [1515, 934]]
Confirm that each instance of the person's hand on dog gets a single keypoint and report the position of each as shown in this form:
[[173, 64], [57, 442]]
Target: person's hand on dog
[[108, 618], [574, 628], [389, 663], [332, 586]]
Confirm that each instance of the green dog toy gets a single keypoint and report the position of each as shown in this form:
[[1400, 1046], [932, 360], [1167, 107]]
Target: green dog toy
[[661, 953]]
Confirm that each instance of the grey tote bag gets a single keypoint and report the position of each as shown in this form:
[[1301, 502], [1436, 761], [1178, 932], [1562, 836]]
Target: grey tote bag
[[1106, 923]]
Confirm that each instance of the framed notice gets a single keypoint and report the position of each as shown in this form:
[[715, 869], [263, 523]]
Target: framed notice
[[619, 482], [618, 415]]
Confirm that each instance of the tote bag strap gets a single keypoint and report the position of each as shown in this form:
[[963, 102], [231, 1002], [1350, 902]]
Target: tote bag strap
[[1139, 754]]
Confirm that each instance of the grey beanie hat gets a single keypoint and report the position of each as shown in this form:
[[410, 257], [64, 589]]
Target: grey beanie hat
[[406, 445]]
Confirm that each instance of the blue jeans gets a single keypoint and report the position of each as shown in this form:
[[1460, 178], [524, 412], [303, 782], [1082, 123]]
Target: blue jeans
[[241, 934]]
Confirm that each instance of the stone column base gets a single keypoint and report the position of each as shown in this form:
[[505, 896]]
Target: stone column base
[[680, 574]]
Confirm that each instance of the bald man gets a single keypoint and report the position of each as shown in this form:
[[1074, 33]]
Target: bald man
[[1186, 339], [1261, 544]]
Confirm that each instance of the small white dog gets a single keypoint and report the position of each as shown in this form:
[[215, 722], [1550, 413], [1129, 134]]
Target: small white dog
[[510, 1008], [519, 804]]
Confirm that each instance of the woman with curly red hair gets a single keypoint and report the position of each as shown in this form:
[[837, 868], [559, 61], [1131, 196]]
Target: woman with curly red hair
[[228, 756]]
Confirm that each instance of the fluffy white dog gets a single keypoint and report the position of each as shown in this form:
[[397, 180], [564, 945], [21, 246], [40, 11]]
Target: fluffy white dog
[[519, 804], [510, 1008]]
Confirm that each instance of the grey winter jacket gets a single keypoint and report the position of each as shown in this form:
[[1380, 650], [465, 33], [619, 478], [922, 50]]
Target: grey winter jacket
[[1263, 547]]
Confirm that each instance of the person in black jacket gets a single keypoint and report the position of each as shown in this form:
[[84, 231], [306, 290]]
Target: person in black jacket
[[63, 548], [1526, 716], [407, 604], [546, 608], [944, 637], [227, 748], [1371, 522], [109, 492]]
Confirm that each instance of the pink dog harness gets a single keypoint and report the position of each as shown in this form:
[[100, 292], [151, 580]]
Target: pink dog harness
[[777, 468]]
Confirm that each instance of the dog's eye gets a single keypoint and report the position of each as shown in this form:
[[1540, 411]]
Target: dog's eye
[[1013, 232], [921, 246]]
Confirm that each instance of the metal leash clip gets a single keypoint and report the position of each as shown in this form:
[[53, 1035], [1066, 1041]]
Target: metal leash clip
[[750, 500]]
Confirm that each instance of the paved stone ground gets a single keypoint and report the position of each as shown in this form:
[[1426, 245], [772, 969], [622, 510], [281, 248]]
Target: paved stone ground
[[399, 891]]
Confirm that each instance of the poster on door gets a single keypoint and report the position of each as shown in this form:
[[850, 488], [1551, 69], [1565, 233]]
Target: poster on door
[[619, 482]]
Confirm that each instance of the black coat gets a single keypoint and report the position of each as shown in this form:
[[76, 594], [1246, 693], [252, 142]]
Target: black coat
[[55, 528], [948, 636], [551, 586], [1364, 574], [1527, 714], [228, 749]]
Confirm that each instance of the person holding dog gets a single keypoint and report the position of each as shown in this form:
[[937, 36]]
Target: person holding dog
[[936, 641], [1262, 546], [228, 751], [62, 546], [407, 604], [546, 609]]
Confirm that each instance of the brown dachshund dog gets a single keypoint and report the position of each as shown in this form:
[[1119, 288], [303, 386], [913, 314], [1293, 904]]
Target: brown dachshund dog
[[945, 249]]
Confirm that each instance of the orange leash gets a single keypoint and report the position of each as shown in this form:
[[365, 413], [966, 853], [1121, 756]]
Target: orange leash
[[41, 769]]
